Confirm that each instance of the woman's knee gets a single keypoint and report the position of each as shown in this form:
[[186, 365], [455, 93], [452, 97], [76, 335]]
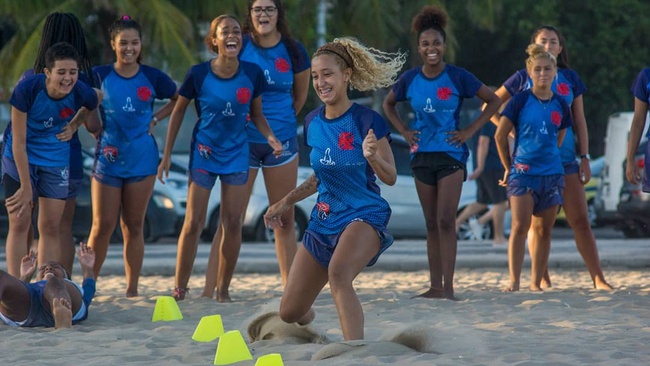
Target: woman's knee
[[291, 311], [231, 221]]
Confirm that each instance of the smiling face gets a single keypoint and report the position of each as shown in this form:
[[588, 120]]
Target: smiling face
[[51, 269], [542, 71], [550, 40], [431, 47], [127, 46], [227, 38], [264, 14], [328, 79], [61, 78]]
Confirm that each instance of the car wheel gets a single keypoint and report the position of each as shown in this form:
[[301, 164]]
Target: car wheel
[[211, 228], [472, 230], [633, 231], [264, 234], [148, 234]]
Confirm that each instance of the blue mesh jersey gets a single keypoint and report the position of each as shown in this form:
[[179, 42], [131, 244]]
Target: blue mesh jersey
[[125, 148], [46, 117], [536, 124], [436, 103], [347, 187], [492, 160], [277, 101], [566, 85], [219, 140], [641, 88]]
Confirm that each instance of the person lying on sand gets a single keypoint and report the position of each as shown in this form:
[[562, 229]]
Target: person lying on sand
[[52, 301]]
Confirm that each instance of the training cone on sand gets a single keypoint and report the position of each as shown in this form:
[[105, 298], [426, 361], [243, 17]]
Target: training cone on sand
[[166, 310], [272, 359], [231, 349], [210, 328]]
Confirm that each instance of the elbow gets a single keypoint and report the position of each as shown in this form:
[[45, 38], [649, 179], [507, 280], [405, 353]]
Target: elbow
[[390, 179]]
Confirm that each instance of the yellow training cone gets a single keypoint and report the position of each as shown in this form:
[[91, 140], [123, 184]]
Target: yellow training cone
[[166, 310], [231, 349], [209, 328], [272, 359]]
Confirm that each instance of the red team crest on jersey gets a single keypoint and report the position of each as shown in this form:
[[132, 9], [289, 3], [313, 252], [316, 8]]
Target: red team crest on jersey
[[346, 141], [204, 151], [110, 153], [243, 95], [282, 65], [144, 93], [323, 210], [444, 93], [556, 118], [66, 112], [563, 89], [522, 168]]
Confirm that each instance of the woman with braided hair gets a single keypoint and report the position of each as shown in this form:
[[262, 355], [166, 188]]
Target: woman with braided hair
[[350, 150], [435, 92]]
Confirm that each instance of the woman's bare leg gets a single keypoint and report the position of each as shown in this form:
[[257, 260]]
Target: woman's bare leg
[[106, 209], [542, 226], [522, 210]]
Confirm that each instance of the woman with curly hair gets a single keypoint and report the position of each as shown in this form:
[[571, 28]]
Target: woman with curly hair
[[350, 150], [435, 91]]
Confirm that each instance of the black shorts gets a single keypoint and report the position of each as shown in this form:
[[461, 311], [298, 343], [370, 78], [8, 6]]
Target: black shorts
[[430, 167], [488, 189]]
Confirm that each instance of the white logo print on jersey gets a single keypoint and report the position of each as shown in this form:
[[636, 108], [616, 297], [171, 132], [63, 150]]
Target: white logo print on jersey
[[543, 130], [49, 123], [228, 111], [268, 77], [428, 108], [327, 159], [128, 107]]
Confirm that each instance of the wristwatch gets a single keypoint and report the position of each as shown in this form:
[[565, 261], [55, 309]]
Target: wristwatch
[[155, 120], [585, 156]]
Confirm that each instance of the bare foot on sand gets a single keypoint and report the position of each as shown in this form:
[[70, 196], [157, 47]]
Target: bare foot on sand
[[178, 293], [223, 297], [131, 294], [432, 293], [62, 313], [535, 288], [601, 284], [514, 287]]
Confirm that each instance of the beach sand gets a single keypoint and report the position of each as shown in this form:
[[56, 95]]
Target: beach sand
[[570, 324]]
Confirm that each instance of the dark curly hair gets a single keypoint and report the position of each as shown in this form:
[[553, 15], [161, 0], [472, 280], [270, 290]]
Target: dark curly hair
[[63, 27], [430, 17], [563, 57]]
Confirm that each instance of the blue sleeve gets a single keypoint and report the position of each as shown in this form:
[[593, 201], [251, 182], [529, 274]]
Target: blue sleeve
[[163, 85], [367, 118], [88, 286], [255, 75], [566, 115], [467, 84], [517, 82], [308, 120], [86, 95], [22, 98], [189, 88], [401, 86], [640, 87], [25, 74], [514, 107], [579, 87], [300, 55]]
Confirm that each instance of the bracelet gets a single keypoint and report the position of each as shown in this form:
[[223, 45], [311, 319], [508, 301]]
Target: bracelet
[[585, 156], [155, 120]]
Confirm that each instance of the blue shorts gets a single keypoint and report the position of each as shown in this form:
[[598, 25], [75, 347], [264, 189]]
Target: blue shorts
[[38, 315], [74, 186], [322, 246], [207, 179], [48, 182], [117, 182], [546, 190], [572, 167], [261, 155]]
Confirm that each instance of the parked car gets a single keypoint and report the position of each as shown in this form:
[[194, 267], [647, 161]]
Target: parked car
[[633, 210], [591, 189]]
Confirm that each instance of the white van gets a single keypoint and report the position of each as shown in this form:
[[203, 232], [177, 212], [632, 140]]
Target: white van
[[613, 175]]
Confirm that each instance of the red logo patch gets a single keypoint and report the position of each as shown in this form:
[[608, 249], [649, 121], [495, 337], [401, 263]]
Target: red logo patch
[[204, 151], [110, 153], [563, 89], [522, 168], [556, 118], [323, 210], [282, 65], [444, 93], [66, 112], [243, 95], [144, 93], [346, 141]]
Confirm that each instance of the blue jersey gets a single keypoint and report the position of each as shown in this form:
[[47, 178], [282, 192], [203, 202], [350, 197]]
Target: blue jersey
[[492, 160], [125, 148], [536, 126], [347, 187], [436, 103], [46, 117], [566, 85], [641, 88], [219, 140], [277, 100]]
